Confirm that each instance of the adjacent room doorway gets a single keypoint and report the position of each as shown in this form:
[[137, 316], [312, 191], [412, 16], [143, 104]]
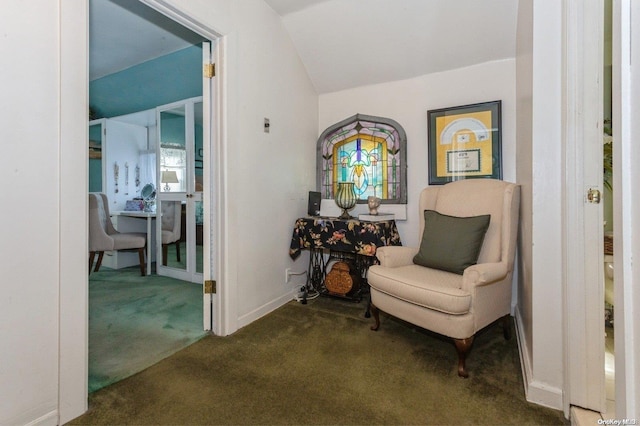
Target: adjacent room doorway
[[192, 194]]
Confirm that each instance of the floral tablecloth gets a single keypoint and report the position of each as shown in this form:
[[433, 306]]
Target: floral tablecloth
[[349, 236]]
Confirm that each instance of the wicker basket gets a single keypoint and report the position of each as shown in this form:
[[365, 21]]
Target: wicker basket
[[340, 280]]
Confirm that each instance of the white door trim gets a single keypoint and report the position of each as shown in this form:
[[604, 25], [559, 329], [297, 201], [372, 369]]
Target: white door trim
[[216, 159], [626, 206], [73, 306]]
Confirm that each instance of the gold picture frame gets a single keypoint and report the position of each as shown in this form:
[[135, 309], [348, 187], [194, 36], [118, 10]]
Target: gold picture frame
[[465, 142]]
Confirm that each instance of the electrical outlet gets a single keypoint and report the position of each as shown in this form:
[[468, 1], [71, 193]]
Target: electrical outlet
[[288, 273]]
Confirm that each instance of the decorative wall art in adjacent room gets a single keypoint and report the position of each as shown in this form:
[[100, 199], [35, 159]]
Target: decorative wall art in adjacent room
[[465, 142]]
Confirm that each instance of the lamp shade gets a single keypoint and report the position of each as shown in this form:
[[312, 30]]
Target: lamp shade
[[169, 176]]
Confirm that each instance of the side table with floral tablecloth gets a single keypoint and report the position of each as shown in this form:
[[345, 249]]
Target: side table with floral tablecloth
[[352, 239]]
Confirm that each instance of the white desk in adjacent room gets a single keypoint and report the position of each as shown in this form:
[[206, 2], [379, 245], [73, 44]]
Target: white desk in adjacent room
[[133, 226]]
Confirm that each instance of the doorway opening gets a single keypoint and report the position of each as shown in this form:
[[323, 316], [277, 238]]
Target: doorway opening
[[130, 81]]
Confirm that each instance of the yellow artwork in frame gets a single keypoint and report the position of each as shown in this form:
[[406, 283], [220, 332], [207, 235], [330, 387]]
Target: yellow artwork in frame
[[464, 142]]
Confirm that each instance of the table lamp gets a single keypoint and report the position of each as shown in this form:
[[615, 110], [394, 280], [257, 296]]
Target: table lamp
[[167, 177]]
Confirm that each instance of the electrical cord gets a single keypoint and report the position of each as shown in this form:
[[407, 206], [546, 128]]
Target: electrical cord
[[311, 294]]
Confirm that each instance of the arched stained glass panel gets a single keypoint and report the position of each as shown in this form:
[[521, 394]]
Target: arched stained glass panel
[[369, 151]]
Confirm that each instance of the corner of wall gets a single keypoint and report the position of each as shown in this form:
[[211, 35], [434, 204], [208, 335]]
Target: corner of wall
[[535, 391]]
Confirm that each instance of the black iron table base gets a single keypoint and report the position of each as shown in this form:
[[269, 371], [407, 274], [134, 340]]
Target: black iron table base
[[335, 239]]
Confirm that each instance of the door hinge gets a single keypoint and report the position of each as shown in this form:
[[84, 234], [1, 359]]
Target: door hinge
[[210, 287], [209, 70]]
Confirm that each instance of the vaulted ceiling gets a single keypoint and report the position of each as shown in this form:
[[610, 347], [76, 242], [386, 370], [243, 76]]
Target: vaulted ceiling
[[342, 43], [349, 43]]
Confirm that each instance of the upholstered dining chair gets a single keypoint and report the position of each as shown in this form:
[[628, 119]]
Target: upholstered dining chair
[[104, 237], [171, 222], [459, 280]]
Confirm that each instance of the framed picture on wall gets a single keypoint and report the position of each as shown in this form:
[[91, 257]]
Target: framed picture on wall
[[465, 142]]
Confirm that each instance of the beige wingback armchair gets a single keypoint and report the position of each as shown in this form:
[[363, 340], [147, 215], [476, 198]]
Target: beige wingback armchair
[[104, 237], [453, 304], [171, 224]]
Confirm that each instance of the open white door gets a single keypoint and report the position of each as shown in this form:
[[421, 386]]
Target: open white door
[[584, 291], [211, 184], [212, 200]]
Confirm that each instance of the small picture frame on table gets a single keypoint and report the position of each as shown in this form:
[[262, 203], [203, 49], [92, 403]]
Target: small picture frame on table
[[465, 142]]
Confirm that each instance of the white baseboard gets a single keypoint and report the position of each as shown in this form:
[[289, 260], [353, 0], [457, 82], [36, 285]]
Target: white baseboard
[[263, 310], [535, 391], [47, 419]]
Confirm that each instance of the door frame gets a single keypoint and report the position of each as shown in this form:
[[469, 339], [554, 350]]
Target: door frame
[[213, 162], [626, 206], [73, 330], [73, 183]]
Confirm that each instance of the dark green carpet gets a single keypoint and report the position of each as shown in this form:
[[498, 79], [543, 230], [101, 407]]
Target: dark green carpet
[[136, 321], [320, 364]]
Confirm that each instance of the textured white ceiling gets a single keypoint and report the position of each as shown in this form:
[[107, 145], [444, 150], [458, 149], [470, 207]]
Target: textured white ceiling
[[349, 43]]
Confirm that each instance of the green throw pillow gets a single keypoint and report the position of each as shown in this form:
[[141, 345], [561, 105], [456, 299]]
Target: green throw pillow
[[451, 243]]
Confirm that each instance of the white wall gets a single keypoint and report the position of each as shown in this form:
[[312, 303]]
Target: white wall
[[39, 345], [28, 376], [268, 175], [122, 145], [540, 165], [407, 102], [44, 250]]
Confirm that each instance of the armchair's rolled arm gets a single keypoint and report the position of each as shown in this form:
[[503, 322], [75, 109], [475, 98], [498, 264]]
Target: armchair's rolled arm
[[393, 256], [483, 273]]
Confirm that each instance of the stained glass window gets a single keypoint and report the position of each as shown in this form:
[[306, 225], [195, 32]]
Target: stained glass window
[[369, 151]]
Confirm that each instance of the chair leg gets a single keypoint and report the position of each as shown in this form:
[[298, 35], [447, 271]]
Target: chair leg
[[178, 250], [376, 316], [463, 346], [164, 254], [99, 262], [143, 265], [506, 327], [92, 256]]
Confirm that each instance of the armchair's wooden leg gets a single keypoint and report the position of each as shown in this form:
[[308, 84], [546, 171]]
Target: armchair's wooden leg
[[143, 265], [506, 327], [178, 250], [463, 346], [165, 250], [99, 262], [92, 256], [376, 316]]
